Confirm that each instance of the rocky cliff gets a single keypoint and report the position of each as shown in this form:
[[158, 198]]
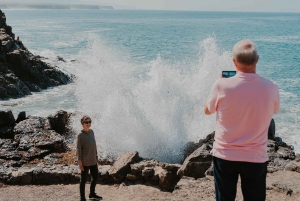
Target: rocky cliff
[[21, 72]]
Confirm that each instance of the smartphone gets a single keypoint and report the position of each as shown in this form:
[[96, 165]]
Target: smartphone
[[227, 74]]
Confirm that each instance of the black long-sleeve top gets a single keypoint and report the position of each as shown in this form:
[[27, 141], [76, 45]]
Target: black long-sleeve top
[[87, 148]]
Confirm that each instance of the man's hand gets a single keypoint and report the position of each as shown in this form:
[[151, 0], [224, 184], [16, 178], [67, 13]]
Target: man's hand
[[206, 111]]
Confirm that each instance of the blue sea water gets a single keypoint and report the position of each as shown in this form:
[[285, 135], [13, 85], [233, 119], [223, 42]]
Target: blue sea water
[[143, 76]]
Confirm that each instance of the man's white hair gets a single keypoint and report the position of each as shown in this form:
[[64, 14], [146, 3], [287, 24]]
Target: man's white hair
[[245, 52]]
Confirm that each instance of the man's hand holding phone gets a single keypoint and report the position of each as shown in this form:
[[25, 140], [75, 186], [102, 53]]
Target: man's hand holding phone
[[227, 74]]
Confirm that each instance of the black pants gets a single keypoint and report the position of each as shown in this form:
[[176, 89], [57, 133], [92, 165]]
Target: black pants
[[253, 179], [84, 174]]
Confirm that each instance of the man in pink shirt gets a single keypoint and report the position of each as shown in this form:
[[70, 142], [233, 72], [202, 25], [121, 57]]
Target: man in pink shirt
[[244, 106]]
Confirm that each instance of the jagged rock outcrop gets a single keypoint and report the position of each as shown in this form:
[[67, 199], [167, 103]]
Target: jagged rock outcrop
[[38, 153], [41, 174], [121, 167], [32, 138], [154, 172], [7, 122], [197, 163], [20, 71], [59, 121], [281, 156]]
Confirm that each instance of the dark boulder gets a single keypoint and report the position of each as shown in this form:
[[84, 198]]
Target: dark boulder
[[6, 133], [14, 91], [7, 45], [15, 58], [121, 166], [271, 131], [190, 147], [7, 118], [59, 121], [196, 164], [21, 116], [3, 92], [60, 59]]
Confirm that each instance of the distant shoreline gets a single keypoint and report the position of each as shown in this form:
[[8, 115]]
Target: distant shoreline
[[54, 6]]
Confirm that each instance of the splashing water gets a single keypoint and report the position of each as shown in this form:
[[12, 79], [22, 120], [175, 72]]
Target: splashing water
[[154, 108]]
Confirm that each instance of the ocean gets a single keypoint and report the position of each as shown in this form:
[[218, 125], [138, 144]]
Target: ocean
[[143, 76]]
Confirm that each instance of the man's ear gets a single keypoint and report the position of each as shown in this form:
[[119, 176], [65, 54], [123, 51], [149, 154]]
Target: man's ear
[[234, 62]]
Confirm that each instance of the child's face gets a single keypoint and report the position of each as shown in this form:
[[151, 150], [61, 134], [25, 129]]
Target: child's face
[[87, 124]]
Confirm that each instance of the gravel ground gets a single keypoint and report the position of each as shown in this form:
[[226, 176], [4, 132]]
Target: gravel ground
[[283, 185]]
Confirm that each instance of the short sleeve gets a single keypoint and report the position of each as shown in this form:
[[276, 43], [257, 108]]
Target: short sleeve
[[212, 101]]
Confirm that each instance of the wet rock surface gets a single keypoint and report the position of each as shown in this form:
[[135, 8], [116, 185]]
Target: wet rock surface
[[21, 72]]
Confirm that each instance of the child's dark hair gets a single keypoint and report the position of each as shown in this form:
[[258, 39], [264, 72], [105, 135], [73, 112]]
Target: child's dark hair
[[85, 117]]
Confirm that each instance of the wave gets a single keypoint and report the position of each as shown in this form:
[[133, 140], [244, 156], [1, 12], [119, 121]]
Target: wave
[[154, 108]]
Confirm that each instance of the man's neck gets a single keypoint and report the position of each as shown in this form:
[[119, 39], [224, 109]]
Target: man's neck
[[242, 68], [245, 71]]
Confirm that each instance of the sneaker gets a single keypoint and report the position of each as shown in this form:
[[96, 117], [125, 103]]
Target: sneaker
[[82, 199], [95, 196]]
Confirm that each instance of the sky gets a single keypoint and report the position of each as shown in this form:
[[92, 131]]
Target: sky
[[199, 5]]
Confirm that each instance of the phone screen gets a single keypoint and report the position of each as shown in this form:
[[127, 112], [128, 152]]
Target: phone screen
[[227, 74]]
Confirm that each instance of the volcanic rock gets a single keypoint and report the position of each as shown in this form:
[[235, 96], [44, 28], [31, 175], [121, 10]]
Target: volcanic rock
[[197, 163], [271, 131], [150, 170], [21, 116], [121, 166], [20, 71], [7, 118], [190, 147], [37, 155], [32, 124], [6, 132], [59, 121], [166, 179]]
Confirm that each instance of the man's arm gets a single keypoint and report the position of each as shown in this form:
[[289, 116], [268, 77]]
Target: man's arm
[[211, 103], [206, 111]]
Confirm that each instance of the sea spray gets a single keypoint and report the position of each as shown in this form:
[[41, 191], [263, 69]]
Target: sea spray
[[154, 113], [141, 36]]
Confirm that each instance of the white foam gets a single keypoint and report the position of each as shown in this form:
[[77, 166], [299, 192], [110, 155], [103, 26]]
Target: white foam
[[155, 113]]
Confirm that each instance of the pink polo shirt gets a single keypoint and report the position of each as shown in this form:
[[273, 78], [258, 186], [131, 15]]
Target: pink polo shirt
[[245, 105]]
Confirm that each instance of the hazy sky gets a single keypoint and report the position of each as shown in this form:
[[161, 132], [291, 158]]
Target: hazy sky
[[202, 5]]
